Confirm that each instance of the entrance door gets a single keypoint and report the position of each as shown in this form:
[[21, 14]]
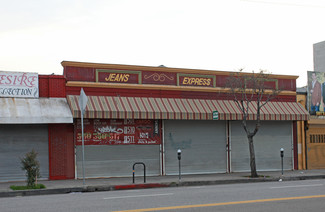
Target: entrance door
[[117, 160], [203, 145], [271, 137], [315, 148], [15, 142]]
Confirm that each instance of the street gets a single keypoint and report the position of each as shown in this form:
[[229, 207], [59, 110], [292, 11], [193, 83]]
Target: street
[[305, 195]]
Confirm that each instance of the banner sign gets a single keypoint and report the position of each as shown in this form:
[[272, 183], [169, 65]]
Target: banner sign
[[196, 80], [18, 84], [119, 132], [110, 76], [316, 93]]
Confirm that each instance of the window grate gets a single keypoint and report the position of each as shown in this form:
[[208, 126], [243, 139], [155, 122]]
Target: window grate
[[317, 138]]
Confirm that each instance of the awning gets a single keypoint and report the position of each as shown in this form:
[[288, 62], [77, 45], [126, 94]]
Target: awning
[[108, 107], [34, 111]]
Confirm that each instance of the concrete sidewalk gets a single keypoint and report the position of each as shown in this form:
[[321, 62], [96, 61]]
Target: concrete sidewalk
[[118, 183]]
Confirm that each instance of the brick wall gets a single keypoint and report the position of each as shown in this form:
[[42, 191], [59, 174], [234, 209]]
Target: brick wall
[[61, 151], [52, 86]]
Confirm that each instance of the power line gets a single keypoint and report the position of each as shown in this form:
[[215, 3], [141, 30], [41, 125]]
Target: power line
[[287, 3]]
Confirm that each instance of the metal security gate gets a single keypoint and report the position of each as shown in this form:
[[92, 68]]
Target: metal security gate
[[15, 142], [271, 137], [203, 145], [117, 160]]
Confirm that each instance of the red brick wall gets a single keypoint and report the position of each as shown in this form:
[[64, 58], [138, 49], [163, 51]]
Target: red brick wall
[[52, 86], [43, 82], [61, 151], [61, 143], [79, 74]]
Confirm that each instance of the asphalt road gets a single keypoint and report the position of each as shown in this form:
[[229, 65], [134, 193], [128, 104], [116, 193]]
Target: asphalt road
[[308, 195]]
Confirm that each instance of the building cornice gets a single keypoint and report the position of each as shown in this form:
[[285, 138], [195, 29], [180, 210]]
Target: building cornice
[[161, 69], [160, 87]]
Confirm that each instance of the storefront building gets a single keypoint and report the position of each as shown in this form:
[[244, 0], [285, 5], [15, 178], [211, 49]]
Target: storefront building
[[139, 114], [33, 109], [145, 114], [311, 135]]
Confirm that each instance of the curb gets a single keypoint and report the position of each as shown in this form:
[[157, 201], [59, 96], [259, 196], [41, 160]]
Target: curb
[[313, 177], [40, 192], [149, 185], [140, 186]]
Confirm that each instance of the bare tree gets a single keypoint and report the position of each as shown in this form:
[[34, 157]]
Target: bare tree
[[251, 92]]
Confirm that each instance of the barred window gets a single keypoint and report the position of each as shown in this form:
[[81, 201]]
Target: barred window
[[317, 138]]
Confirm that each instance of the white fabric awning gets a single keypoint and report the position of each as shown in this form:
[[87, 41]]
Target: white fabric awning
[[34, 111]]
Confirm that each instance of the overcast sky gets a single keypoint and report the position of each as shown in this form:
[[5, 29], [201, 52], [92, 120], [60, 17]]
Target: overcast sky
[[226, 35]]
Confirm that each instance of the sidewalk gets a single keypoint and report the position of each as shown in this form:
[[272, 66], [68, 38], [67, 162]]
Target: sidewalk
[[119, 183]]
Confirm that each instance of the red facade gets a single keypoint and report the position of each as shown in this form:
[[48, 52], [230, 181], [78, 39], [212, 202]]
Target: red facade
[[61, 151], [63, 137], [52, 86], [176, 77], [161, 94], [160, 76], [61, 142]]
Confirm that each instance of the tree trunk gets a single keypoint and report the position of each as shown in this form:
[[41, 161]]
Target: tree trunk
[[252, 157]]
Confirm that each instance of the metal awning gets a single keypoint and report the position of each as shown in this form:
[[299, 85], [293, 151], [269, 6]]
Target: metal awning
[[34, 111], [108, 107]]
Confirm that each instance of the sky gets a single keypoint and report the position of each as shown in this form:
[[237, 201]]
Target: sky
[[224, 35]]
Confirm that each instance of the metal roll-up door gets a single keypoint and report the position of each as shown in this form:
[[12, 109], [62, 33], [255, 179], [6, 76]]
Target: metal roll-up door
[[271, 137], [203, 145], [15, 142], [118, 160]]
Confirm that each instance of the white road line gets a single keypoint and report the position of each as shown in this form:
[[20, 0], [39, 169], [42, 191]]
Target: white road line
[[297, 186], [135, 196], [192, 187]]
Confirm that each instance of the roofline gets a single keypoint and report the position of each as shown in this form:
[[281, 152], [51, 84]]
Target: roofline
[[160, 69]]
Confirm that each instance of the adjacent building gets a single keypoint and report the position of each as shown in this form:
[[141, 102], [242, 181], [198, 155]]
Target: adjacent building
[[33, 111], [319, 56], [311, 135]]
